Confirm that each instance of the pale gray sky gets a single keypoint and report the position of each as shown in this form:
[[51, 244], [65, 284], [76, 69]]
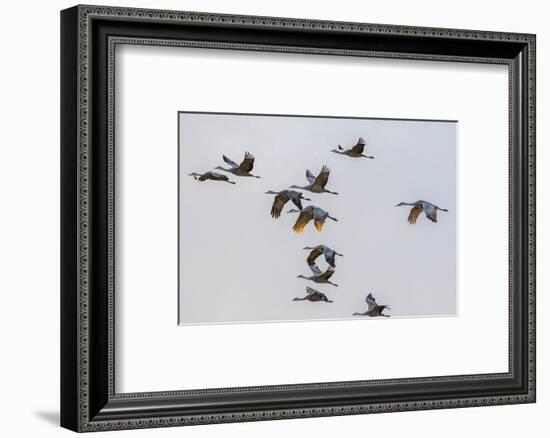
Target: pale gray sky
[[238, 264]]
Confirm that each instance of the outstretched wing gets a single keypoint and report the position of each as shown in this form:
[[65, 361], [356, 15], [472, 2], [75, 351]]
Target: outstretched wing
[[431, 213], [415, 212], [358, 148], [303, 219], [371, 302], [278, 204], [295, 198], [230, 162], [314, 254], [330, 257], [327, 274], [319, 219], [248, 163], [322, 178], [310, 177], [315, 269], [310, 290]]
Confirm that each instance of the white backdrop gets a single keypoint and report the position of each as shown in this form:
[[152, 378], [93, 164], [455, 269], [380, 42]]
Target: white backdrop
[[29, 183], [159, 355]]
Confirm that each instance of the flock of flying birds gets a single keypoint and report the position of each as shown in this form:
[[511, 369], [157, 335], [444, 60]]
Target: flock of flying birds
[[316, 184]]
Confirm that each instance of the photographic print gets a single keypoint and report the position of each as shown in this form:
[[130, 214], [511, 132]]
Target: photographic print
[[304, 218]]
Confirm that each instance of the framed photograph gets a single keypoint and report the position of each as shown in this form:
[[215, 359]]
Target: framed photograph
[[268, 218]]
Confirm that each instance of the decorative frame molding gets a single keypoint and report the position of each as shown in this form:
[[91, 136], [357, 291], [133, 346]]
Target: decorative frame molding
[[89, 402]]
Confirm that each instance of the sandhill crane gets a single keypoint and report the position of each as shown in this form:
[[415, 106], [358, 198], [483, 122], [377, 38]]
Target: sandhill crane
[[316, 251], [316, 184], [318, 276], [373, 308], [242, 169], [422, 206], [210, 175], [282, 198], [313, 295], [355, 151], [307, 214]]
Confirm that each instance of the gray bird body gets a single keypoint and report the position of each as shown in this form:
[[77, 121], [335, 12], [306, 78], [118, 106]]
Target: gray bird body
[[282, 198], [311, 212], [373, 309], [318, 276], [355, 151], [429, 209], [313, 295], [316, 183], [210, 176], [242, 169], [316, 251]]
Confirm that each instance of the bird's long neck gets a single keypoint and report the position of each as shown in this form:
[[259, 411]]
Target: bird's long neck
[[336, 151], [328, 191], [299, 299], [302, 276]]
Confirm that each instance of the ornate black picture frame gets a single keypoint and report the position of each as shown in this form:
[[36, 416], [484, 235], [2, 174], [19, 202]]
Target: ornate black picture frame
[[88, 398]]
